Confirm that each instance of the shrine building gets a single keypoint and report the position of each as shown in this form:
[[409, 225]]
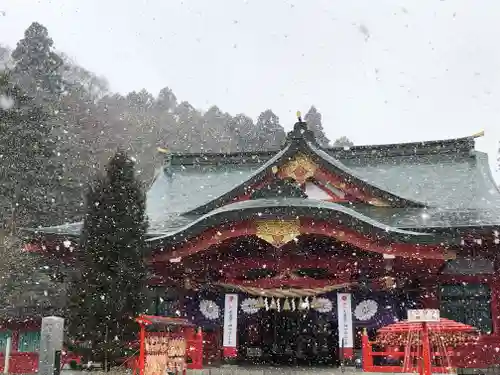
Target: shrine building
[[286, 256]]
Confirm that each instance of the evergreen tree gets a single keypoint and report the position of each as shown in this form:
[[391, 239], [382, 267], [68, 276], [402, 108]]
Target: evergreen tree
[[243, 129], [30, 195], [31, 191], [270, 134], [36, 65], [166, 101], [313, 119], [110, 292], [343, 142]]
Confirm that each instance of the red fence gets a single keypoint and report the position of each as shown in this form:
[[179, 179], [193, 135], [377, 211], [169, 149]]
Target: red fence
[[21, 363], [27, 363], [481, 354]]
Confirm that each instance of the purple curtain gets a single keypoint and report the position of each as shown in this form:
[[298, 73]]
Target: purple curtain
[[389, 308]]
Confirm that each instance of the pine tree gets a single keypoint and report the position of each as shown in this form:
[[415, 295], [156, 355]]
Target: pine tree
[[243, 129], [30, 195], [166, 100], [110, 292], [270, 133], [313, 119], [31, 191], [343, 142], [36, 65]]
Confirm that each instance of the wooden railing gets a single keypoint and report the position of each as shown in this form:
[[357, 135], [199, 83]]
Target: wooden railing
[[368, 355]]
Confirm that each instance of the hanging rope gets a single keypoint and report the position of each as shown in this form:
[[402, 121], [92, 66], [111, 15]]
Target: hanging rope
[[284, 293]]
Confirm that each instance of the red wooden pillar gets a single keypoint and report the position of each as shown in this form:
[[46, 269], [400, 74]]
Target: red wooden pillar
[[142, 350], [495, 303], [194, 341], [198, 365], [366, 352], [495, 297], [426, 351]]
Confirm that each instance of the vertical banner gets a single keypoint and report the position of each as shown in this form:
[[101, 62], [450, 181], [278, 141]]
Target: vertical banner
[[230, 325], [346, 332]]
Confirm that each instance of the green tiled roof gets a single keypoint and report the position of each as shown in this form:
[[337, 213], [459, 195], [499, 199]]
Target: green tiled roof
[[453, 181], [183, 188], [450, 182], [457, 187], [176, 190]]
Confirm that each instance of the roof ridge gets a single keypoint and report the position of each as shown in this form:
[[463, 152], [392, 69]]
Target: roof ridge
[[438, 147], [221, 158], [435, 147]]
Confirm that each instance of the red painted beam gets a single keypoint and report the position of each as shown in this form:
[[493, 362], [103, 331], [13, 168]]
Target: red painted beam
[[216, 236], [361, 241], [210, 237]]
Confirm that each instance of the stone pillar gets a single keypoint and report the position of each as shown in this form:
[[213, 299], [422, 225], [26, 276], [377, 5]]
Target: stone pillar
[[51, 341], [8, 348]]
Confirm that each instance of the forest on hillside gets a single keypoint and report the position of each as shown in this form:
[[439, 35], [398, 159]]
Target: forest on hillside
[[90, 122]]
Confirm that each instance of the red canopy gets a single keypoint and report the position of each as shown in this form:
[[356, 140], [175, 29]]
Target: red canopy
[[148, 320], [444, 325]]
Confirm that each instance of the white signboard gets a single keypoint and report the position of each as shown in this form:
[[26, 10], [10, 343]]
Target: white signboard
[[230, 320], [423, 315], [344, 310]]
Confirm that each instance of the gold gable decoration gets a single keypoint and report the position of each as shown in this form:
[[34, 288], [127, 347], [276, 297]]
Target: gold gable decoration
[[277, 232], [478, 134], [300, 168]]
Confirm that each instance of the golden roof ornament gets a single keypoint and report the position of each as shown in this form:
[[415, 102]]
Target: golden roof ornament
[[162, 150], [478, 134], [299, 116]]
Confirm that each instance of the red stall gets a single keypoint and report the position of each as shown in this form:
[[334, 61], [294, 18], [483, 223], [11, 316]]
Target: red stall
[[168, 345]]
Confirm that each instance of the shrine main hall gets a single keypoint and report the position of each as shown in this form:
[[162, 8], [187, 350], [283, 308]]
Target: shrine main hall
[[286, 256]]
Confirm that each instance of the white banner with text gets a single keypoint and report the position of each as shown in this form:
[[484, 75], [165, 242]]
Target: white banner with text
[[230, 325], [346, 332]]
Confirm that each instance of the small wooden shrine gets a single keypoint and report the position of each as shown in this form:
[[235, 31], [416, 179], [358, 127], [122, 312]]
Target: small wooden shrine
[[168, 345]]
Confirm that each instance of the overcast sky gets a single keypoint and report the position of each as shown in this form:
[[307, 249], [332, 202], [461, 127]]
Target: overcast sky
[[379, 71]]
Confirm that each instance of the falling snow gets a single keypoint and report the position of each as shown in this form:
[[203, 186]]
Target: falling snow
[[291, 247]]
